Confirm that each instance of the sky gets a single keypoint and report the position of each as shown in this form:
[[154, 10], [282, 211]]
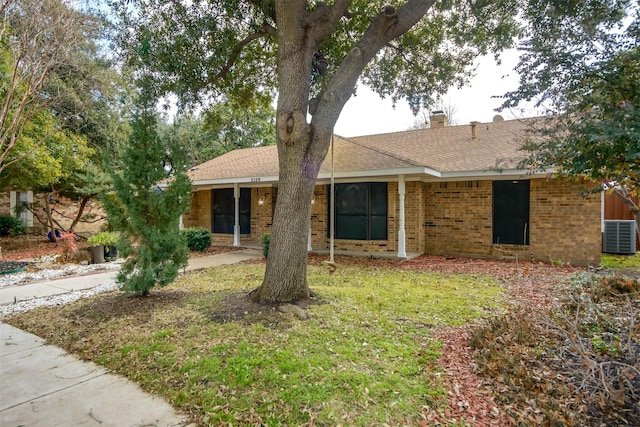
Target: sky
[[366, 113]]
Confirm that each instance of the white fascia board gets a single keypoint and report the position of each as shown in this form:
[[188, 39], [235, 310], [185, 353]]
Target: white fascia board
[[494, 174], [269, 180], [256, 181], [380, 172]]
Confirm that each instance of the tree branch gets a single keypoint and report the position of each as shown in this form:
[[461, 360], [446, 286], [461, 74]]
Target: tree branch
[[385, 26], [265, 31], [323, 20]]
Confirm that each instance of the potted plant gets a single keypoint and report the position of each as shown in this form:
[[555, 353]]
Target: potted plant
[[103, 246]]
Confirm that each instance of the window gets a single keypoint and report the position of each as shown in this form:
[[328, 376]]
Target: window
[[511, 212], [361, 211], [223, 207]]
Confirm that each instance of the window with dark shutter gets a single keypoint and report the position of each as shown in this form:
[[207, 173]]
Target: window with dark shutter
[[361, 211], [223, 208], [511, 212]]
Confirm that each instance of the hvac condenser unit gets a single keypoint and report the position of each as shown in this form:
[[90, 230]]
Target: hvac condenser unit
[[619, 237]]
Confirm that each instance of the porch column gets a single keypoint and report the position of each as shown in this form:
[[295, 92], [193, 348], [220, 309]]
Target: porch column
[[309, 248], [402, 252], [236, 227]]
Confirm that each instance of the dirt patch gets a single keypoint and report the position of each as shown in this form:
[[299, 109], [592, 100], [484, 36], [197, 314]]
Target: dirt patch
[[238, 307], [117, 304]]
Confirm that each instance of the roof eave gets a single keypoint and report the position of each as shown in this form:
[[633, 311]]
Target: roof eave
[[495, 174]]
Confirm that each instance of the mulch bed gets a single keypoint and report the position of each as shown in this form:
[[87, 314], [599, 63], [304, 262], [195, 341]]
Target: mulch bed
[[32, 246]]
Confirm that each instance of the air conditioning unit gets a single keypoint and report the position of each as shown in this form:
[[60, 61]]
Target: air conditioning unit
[[619, 237]]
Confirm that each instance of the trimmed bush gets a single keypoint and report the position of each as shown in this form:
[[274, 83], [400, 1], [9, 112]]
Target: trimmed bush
[[11, 226], [198, 239], [266, 241]]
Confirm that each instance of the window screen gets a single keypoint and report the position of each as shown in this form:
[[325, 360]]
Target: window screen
[[223, 207], [511, 212], [361, 211]]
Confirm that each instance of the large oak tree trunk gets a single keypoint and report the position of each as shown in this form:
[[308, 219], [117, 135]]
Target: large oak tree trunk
[[286, 275], [303, 146]]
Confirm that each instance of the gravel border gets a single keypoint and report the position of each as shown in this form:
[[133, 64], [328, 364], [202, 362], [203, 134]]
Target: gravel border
[[54, 300], [21, 278], [54, 273]]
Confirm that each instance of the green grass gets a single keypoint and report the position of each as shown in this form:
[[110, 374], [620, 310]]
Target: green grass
[[366, 356], [620, 261]]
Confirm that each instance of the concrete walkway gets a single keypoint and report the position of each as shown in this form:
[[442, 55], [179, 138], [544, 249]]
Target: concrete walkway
[[41, 385]]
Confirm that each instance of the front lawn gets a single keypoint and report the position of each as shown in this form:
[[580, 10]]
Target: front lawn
[[365, 357], [620, 261]]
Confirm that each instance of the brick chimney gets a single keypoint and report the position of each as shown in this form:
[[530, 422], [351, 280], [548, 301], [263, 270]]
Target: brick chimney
[[474, 130], [438, 119]]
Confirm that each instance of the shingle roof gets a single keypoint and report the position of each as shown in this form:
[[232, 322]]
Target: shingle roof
[[452, 149], [446, 150]]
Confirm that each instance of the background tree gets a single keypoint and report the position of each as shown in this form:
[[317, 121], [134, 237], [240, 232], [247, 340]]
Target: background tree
[[146, 215], [310, 51], [38, 38], [222, 127], [238, 125], [581, 61], [63, 103], [422, 117]]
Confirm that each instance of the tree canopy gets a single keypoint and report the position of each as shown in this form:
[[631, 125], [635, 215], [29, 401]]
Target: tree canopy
[[581, 61], [222, 127], [312, 54], [61, 100], [231, 47], [40, 40]]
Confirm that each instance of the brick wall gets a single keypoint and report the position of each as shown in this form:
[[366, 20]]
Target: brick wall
[[564, 225], [415, 210], [5, 203], [260, 214], [458, 218], [199, 214]]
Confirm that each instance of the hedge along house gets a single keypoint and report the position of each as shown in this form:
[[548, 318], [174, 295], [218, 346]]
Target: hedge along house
[[447, 190]]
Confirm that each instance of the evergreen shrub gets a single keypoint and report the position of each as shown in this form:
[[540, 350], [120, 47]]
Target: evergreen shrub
[[198, 239], [10, 226], [266, 241]]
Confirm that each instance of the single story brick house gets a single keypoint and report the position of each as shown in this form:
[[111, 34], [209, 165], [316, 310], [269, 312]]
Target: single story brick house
[[446, 190]]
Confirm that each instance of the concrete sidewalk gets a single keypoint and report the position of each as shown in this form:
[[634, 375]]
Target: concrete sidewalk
[[41, 385]]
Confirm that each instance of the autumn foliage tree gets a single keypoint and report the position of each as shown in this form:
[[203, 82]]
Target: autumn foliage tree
[[313, 54], [37, 39]]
